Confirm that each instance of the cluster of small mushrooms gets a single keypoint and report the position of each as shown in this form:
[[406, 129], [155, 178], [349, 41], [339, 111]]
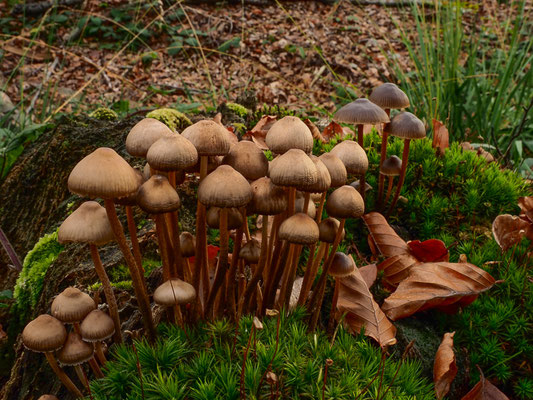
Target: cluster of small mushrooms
[[287, 196]]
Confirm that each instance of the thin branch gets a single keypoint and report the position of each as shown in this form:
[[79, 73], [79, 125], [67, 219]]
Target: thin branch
[[10, 251]]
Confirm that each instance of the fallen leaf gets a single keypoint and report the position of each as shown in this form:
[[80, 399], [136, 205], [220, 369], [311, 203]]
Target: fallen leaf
[[441, 137], [484, 390], [361, 310], [332, 130], [526, 206], [431, 250], [396, 269], [444, 367], [384, 237], [442, 285], [509, 230], [259, 131], [369, 273], [314, 130]]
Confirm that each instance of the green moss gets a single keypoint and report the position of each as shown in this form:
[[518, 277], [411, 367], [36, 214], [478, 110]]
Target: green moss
[[241, 111], [206, 363], [30, 281], [104, 114], [174, 119]]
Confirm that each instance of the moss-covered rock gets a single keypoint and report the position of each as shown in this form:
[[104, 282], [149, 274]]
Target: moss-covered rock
[[172, 118], [104, 114]]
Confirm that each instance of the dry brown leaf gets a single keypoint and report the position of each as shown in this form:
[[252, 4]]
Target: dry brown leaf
[[369, 273], [314, 130], [443, 285], [259, 131], [444, 367], [441, 137], [385, 239], [332, 130], [361, 310], [509, 230], [397, 268], [526, 207], [484, 390]]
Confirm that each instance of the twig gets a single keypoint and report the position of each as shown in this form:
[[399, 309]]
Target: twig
[[17, 265], [41, 85]]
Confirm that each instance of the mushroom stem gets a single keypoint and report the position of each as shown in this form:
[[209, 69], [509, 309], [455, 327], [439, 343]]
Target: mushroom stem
[[81, 376], [318, 293], [284, 300], [275, 276], [137, 278], [96, 368], [311, 271], [362, 178], [187, 273], [201, 272], [222, 261], [307, 197], [132, 229], [178, 259], [108, 290], [162, 243], [285, 275], [230, 294], [291, 202], [252, 285], [389, 189], [320, 208], [63, 377], [272, 239], [100, 353], [246, 228], [405, 157], [384, 138], [334, 304], [360, 134], [314, 317]]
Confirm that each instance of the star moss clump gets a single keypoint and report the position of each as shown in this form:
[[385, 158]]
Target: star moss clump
[[104, 114], [174, 119]]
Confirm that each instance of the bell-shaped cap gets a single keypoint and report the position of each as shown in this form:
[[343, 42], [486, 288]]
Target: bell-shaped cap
[[289, 133], [293, 168], [267, 198], [75, 351], [48, 397], [88, 224], [328, 228], [391, 166], [342, 265], [225, 188], [44, 334], [300, 229], [172, 153], [72, 305], [352, 155], [357, 186], [388, 95], [250, 252], [345, 202], [131, 200], [337, 170], [209, 138], [406, 126], [235, 218], [247, 159], [157, 196], [187, 244], [299, 206], [323, 181], [97, 326], [104, 174], [174, 292], [145, 133], [361, 111]]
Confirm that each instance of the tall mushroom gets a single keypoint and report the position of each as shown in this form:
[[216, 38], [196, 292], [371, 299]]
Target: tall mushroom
[[45, 334], [105, 174], [353, 157], [224, 188], [96, 327], [89, 224], [338, 174], [387, 96], [407, 127], [289, 133], [391, 167]]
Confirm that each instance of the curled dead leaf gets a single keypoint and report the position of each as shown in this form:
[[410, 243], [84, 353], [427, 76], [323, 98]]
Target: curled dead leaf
[[369, 273], [509, 230], [332, 130], [484, 390], [314, 130], [397, 268], [526, 207], [361, 310], [444, 367], [259, 131], [432, 250], [441, 137], [442, 285], [384, 237]]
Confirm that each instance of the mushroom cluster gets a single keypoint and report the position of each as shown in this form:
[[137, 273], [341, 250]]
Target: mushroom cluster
[[90, 327]]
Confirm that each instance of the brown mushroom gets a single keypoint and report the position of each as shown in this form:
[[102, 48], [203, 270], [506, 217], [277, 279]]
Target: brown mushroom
[[145, 133], [289, 133], [391, 167], [96, 327], [341, 266], [354, 158], [174, 293], [188, 249], [76, 352]]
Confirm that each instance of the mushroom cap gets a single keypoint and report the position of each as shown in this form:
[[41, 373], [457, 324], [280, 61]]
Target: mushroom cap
[[235, 219], [337, 170], [174, 292], [88, 224], [345, 202], [289, 133], [44, 334], [104, 174], [342, 265], [300, 229], [156, 196], [48, 397], [187, 244], [323, 181], [293, 168], [391, 166], [406, 126], [328, 229], [131, 199], [388, 95], [357, 183], [172, 153], [267, 198], [145, 133], [209, 138], [72, 305], [75, 351], [225, 188], [97, 326], [352, 155], [299, 206], [361, 111], [251, 251], [247, 159]]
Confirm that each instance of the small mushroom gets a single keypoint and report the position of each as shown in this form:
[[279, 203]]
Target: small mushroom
[[76, 352], [174, 293], [145, 133], [188, 249], [235, 218], [391, 167], [96, 327], [354, 158], [342, 265], [289, 133], [247, 159]]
